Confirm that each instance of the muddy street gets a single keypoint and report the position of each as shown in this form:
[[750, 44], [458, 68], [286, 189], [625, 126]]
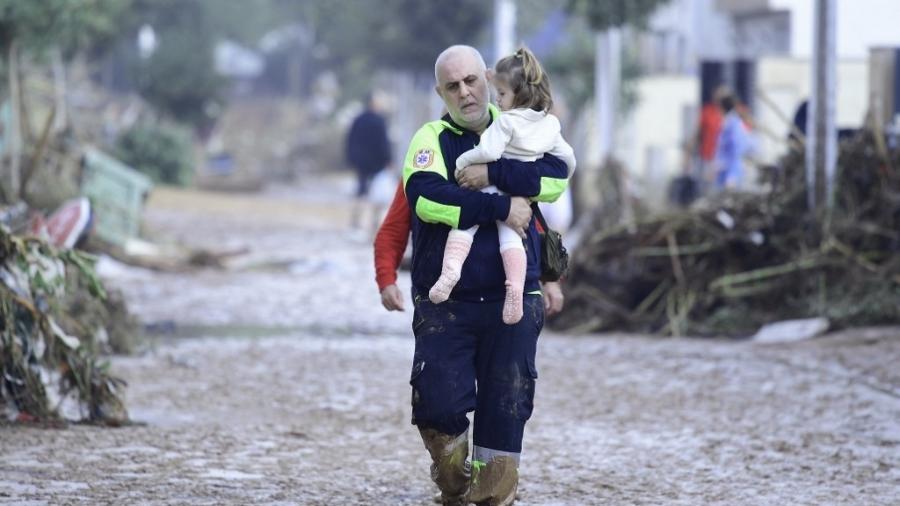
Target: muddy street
[[281, 380]]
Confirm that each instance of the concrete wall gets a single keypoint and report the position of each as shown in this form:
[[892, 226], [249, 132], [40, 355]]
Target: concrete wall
[[786, 83], [650, 143]]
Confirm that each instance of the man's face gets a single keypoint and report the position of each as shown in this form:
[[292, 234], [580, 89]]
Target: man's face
[[463, 88]]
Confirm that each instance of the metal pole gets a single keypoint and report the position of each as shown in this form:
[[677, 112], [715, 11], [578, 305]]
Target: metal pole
[[504, 28], [607, 67], [15, 124], [821, 146]]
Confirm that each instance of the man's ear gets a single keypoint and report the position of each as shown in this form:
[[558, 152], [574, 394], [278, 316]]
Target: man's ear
[[437, 89], [489, 73]]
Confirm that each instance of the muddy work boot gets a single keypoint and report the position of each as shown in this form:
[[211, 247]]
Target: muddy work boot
[[494, 483], [449, 468]]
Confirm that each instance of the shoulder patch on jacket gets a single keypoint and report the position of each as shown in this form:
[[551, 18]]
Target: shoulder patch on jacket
[[423, 158]]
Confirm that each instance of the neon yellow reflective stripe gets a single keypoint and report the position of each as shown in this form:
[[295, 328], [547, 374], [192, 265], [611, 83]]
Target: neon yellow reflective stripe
[[477, 466], [494, 110], [536, 292], [450, 127], [433, 212], [551, 189], [424, 152]]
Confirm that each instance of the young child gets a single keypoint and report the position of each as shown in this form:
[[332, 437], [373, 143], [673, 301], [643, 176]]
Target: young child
[[525, 131]]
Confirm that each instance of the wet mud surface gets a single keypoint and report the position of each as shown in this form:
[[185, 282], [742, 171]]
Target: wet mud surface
[[308, 403]]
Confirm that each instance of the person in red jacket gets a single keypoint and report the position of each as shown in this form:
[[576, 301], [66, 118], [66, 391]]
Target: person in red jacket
[[390, 245]]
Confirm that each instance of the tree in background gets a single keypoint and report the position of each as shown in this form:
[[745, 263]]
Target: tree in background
[[355, 39], [352, 38], [72, 25], [614, 13], [161, 151], [60, 28], [179, 76], [605, 18]]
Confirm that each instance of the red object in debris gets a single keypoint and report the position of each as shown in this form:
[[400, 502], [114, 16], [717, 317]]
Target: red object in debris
[[64, 227]]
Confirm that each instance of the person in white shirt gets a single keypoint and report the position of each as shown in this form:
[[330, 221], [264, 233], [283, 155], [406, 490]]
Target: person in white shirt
[[524, 131]]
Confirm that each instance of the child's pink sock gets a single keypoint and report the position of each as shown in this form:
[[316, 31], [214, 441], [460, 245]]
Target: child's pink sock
[[455, 253], [514, 263]]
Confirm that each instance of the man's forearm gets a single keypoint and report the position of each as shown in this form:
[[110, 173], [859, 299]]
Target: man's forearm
[[543, 180], [436, 200]]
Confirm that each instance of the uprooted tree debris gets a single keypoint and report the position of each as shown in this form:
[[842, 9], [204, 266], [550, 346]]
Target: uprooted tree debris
[[50, 365], [737, 261]]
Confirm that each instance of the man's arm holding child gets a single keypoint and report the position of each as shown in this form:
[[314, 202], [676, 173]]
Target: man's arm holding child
[[543, 180]]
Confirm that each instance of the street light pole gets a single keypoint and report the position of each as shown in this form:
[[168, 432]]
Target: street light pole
[[821, 146], [607, 70], [504, 28]]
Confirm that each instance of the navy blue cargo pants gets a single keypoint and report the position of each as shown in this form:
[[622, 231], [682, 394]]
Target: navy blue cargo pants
[[467, 359]]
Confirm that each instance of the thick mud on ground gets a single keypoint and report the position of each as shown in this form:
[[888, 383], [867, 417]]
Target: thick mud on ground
[[293, 390]]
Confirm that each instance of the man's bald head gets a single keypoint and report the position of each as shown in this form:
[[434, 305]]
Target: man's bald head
[[458, 51], [461, 82]]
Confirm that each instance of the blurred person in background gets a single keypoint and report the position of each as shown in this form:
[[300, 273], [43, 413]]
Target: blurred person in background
[[733, 144], [708, 136], [797, 134], [464, 342], [525, 131], [390, 245], [368, 151]]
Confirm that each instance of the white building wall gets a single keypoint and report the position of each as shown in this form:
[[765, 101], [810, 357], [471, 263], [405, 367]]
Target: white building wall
[[650, 142], [786, 83], [861, 24]]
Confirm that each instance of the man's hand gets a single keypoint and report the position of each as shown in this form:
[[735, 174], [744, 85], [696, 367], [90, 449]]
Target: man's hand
[[473, 177], [519, 215], [392, 298], [553, 298]]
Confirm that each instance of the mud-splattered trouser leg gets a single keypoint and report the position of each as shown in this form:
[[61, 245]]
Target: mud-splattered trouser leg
[[459, 344]]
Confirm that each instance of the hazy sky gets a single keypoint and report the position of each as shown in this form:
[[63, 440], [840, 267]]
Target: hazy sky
[[860, 25]]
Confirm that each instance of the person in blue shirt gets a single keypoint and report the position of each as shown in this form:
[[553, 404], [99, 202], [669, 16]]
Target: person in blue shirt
[[733, 144]]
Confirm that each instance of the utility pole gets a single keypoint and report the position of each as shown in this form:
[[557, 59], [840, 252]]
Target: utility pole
[[821, 145], [15, 137], [504, 28], [607, 71]]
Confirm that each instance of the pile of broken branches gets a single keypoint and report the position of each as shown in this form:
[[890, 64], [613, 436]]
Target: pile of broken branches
[[50, 368], [736, 261]]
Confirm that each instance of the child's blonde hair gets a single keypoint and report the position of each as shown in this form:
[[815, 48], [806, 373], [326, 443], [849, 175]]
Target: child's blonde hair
[[527, 80]]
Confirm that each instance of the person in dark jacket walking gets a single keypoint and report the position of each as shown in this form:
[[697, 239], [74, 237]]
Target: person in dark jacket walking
[[368, 151]]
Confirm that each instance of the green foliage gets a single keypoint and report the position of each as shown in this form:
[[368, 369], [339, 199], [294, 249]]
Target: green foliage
[[179, 78], [86, 265], [70, 24], [606, 14], [571, 66], [400, 34], [409, 34], [571, 69], [41, 331], [162, 152]]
